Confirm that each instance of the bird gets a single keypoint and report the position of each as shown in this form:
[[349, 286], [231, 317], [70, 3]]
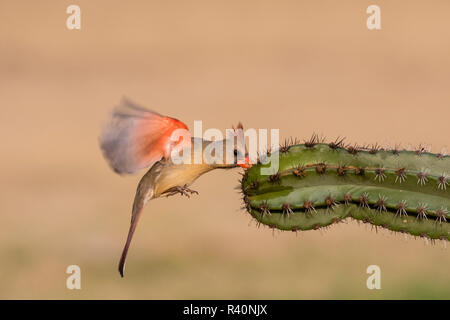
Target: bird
[[135, 138]]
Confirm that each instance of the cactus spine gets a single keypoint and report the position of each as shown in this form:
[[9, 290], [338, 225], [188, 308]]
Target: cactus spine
[[319, 184]]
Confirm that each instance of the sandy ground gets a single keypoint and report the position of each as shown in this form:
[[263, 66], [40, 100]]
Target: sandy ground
[[292, 65]]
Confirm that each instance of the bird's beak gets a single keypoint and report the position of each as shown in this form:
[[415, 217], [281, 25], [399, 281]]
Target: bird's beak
[[247, 164]]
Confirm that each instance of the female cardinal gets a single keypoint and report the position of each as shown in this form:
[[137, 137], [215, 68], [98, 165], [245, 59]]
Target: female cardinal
[[137, 138]]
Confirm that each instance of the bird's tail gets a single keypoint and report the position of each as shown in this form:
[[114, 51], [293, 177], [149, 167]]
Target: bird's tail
[[133, 225], [142, 196]]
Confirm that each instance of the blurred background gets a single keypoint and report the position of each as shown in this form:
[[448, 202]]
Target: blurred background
[[300, 66]]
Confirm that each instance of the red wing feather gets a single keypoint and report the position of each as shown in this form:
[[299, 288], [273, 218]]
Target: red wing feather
[[136, 138]]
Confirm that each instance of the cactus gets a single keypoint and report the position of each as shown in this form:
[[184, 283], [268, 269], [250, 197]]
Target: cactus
[[319, 184]]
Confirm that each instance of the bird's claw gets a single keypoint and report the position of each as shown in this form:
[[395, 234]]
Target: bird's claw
[[184, 191]]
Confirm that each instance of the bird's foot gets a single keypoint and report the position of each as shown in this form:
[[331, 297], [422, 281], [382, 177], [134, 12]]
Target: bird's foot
[[184, 191]]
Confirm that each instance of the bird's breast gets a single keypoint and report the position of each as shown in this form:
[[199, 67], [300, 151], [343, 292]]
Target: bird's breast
[[179, 175]]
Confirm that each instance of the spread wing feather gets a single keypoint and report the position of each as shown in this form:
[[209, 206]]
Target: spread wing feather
[[135, 137]]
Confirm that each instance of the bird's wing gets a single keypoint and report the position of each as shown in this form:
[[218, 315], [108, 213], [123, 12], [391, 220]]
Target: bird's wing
[[135, 138]]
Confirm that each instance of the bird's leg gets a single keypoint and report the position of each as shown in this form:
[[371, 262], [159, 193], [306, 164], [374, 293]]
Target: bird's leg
[[184, 191]]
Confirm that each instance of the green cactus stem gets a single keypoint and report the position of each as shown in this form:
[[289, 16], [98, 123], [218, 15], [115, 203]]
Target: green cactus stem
[[319, 184]]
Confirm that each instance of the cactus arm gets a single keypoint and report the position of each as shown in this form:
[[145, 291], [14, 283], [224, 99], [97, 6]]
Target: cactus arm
[[318, 185]]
